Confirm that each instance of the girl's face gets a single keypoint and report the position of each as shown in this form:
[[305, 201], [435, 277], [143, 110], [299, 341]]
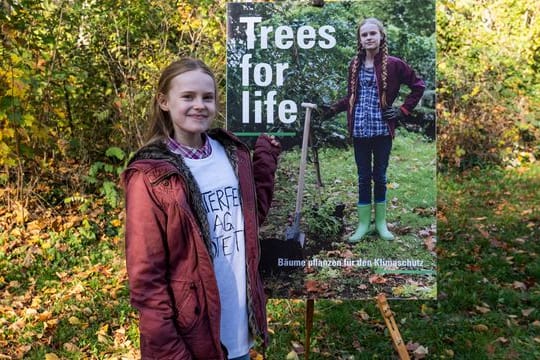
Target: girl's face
[[191, 103], [370, 36]]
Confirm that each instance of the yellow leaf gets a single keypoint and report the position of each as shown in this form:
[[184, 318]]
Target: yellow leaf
[[15, 58], [292, 356], [15, 232], [36, 302], [51, 356], [254, 355], [74, 320], [103, 330], [393, 185]]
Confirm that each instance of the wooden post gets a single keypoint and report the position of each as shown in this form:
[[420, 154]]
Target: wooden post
[[310, 304], [399, 346], [383, 306]]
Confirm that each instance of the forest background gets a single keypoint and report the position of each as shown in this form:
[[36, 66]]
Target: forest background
[[75, 79]]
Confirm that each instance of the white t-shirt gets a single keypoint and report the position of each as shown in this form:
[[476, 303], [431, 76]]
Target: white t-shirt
[[221, 199]]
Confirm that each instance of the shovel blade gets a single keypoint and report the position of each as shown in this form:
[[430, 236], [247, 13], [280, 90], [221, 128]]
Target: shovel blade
[[292, 233], [301, 239]]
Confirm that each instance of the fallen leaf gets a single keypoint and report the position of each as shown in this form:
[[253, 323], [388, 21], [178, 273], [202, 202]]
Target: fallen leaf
[[357, 345], [480, 218], [483, 309], [254, 355], [473, 267], [292, 356], [498, 244], [362, 315], [51, 356], [377, 279], [483, 232], [30, 312], [518, 285], [412, 346], [297, 347], [420, 352], [69, 347], [480, 328], [312, 286], [430, 243], [527, 312], [102, 338], [393, 185], [17, 325]]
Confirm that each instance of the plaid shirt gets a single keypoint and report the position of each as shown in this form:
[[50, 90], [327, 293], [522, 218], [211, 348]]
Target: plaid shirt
[[368, 120], [190, 153]]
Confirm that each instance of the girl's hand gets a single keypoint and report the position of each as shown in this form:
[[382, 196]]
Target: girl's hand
[[272, 139]]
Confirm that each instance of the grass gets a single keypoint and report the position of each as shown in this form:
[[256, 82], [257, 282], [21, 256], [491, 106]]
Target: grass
[[488, 279], [63, 283]]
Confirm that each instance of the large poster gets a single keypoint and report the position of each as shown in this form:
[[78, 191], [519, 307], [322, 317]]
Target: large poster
[[287, 65]]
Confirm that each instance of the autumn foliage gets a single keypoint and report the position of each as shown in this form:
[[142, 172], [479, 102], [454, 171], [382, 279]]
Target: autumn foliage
[[488, 83], [75, 80]]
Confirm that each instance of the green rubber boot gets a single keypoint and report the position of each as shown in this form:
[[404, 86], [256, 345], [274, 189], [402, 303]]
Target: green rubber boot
[[364, 220], [380, 222]]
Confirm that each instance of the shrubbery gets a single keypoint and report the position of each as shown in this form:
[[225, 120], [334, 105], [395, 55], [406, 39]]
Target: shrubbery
[[488, 88]]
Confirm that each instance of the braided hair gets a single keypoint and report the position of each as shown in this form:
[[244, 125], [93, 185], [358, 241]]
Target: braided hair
[[361, 56]]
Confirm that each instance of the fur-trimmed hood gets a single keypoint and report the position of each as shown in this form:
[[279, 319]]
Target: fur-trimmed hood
[[159, 151]]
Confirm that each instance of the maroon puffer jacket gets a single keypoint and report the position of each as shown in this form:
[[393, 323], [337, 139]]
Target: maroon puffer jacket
[[171, 276]]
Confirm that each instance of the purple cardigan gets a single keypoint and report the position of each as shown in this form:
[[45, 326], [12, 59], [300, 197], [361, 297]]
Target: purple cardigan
[[398, 73]]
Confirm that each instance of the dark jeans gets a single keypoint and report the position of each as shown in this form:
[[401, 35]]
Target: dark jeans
[[372, 155]]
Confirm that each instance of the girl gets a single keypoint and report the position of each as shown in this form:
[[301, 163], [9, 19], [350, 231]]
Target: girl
[[194, 201], [373, 85]]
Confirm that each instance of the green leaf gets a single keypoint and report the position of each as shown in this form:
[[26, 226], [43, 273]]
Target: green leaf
[[115, 152]]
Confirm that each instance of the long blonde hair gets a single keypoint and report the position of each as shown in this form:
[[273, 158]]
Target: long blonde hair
[[161, 126], [361, 55]]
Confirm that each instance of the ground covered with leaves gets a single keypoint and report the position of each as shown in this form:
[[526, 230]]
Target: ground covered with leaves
[[489, 291], [63, 291]]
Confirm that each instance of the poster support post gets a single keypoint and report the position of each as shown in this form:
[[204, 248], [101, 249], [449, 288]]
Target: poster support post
[[310, 305], [388, 316]]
